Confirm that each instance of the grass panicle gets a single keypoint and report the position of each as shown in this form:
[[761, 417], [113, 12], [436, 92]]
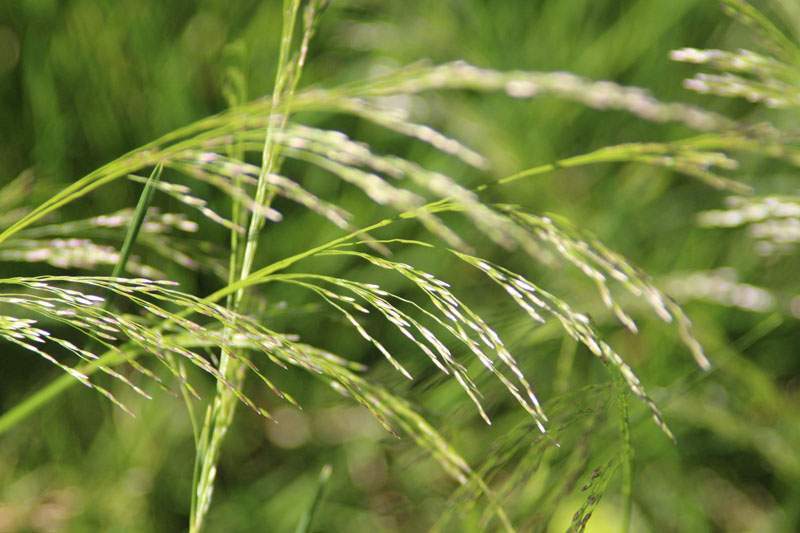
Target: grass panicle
[[226, 337]]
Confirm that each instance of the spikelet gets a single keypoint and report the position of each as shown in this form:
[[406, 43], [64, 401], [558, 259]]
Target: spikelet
[[596, 94], [360, 99], [594, 488], [398, 121], [602, 265], [720, 286], [741, 61], [452, 315], [772, 221], [155, 222], [183, 194], [82, 310], [538, 303], [212, 168], [771, 37], [770, 80], [161, 233], [336, 146], [393, 412], [26, 334], [71, 253]]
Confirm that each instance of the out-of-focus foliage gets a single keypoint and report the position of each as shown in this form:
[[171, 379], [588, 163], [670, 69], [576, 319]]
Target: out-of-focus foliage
[[83, 82]]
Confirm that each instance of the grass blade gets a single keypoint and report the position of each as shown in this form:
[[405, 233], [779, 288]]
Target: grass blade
[[136, 222], [304, 526]]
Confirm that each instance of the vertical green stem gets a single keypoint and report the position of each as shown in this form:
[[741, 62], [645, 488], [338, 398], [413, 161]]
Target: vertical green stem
[[219, 416], [627, 455], [304, 525]]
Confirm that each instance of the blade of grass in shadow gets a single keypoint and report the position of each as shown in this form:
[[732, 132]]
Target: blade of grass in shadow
[[304, 525]]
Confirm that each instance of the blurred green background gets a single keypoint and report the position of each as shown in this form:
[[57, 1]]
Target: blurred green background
[[83, 81]]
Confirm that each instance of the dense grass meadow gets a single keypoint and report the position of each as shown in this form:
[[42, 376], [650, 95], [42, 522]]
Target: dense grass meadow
[[362, 265]]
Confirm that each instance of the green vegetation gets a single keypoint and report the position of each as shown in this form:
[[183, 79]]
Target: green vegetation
[[399, 266]]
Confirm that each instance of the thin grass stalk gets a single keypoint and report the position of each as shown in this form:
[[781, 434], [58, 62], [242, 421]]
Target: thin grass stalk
[[307, 519], [627, 453], [219, 416], [238, 217]]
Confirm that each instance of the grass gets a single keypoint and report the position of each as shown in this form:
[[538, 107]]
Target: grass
[[430, 293]]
